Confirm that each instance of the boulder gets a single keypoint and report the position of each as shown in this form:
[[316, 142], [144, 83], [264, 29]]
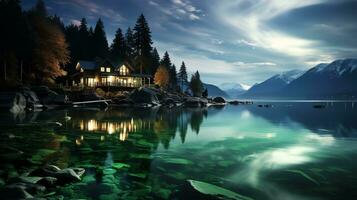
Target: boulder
[[20, 100], [63, 176], [31, 98], [18, 103], [219, 100], [144, 96]]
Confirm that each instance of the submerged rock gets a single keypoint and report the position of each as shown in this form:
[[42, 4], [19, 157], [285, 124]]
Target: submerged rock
[[63, 176]]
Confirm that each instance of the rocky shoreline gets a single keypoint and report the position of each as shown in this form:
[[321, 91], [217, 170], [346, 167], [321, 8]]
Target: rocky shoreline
[[41, 98]]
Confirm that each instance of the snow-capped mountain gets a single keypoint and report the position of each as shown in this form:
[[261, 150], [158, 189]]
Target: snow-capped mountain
[[272, 85], [289, 76], [335, 80], [234, 89]]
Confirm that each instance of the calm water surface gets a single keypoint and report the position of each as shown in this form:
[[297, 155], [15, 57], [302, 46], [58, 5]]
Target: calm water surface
[[289, 151]]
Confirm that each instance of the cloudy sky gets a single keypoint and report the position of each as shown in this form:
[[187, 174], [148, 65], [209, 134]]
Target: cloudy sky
[[241, 41]]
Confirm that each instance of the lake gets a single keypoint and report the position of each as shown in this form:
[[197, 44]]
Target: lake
[[288, 151]]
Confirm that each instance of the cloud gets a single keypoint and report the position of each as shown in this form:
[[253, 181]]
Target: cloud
[[153, 3], [194, 17], [183, 9], [250, 20], [254, 64], [245, 42], [94, 9], [75, 22]]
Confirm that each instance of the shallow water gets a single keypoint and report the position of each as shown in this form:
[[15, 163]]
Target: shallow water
[[288, 151]]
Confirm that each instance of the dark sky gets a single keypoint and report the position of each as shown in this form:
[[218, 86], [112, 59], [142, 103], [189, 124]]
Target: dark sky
[[241, 41]]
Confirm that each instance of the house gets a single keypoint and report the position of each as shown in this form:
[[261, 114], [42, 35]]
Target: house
[[107, 74]]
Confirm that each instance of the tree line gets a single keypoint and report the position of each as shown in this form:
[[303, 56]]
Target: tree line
[[37, 48]]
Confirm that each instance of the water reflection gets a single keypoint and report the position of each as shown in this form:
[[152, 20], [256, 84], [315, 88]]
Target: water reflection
[[254, 151], [165, 124], [123, 128]]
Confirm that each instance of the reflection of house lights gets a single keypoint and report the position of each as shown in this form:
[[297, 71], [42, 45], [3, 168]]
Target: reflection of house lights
[[92, 125], [111, 128], [81, 125], [123, 136], [82, 137], [124, 128], [78, 142]]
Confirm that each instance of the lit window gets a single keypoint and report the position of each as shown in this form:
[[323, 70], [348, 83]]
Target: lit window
[[91, 82], [124, 70], [108, 69], [102, 69]]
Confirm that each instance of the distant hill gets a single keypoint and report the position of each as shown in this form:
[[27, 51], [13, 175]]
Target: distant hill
[[233, 90], [336, 80], [271, 86], [214, 91]]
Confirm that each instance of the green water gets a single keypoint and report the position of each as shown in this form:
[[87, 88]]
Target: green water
[[289, 151]]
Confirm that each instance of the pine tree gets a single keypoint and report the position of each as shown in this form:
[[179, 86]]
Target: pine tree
[[100, 40], [173, 78], [196, 85], [155, 60], [40, 8], [84, 41], [56, 20], [73, 39], [129, 45], [91, 51], [182, 76], [117, 49], [166, 61], [142, 42]]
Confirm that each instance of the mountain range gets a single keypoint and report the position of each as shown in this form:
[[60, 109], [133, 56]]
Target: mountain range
[[337, 80], [233, 90]]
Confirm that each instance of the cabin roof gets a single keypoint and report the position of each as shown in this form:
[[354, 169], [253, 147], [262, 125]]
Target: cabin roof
[[88, 65], [92, 65], [121, 63]]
